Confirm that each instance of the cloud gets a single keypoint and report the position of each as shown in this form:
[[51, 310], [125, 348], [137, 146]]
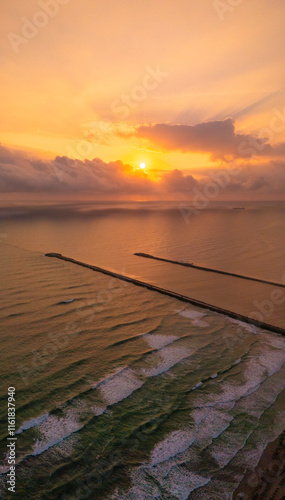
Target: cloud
[[19, 173], [218, 138], [176, 182], [96, 179]]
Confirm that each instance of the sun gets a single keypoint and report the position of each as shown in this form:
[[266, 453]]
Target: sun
[[142, 165]]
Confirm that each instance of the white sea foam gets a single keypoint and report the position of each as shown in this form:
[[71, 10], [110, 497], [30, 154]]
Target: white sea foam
[[98, 410], [275, 340], [65, 449], [5, 468], [237, 362], [253, 376], [33, 422], [177, 482], [104, 379], [210, 423], [255, 387], [174, 443], [141, 489], [195, 316], [181, 482], [119, 386], [164, 360], [158, 341], [260, 400], [272, 360], [216, 490], [225, 450], [247, 326], [197, 386], [53, 430], [191, 313], [212, 420], [200, 323], [164, 465]]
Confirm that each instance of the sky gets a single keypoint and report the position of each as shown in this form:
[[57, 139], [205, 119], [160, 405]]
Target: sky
[[142, 100]]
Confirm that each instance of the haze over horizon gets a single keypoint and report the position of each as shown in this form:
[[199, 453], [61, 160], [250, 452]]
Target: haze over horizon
[[144, 101]]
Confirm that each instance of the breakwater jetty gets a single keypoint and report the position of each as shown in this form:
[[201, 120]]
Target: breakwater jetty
[[209, 269], [183, 298]]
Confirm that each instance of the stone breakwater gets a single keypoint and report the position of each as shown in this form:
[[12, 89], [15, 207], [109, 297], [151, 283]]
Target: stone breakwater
[[202, 268], [184, 298]]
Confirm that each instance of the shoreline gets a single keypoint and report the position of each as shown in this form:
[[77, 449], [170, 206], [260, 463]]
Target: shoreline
[[267, 480]]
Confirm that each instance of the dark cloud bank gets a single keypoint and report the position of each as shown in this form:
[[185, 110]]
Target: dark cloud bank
[[218, 138], [20, 173]]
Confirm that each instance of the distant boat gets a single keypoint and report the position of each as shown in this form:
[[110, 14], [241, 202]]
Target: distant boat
[[238, 208]]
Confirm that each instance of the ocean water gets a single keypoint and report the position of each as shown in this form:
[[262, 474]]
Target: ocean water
[[123, 393]]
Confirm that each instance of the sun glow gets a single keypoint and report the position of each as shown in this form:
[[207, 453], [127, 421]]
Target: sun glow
[[142, 165]]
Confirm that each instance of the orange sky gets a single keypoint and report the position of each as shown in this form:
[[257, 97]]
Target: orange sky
[[92, 79]]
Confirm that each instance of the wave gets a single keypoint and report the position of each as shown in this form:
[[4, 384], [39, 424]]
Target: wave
[[213, 433], [159, 341], [247, 326], [33, 422], [67, 301], [119, 387], [212, 413], [195, 316], [170, 355], [176, 442], [181, 483], [54, 430], [110, 390], [51, 429]]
